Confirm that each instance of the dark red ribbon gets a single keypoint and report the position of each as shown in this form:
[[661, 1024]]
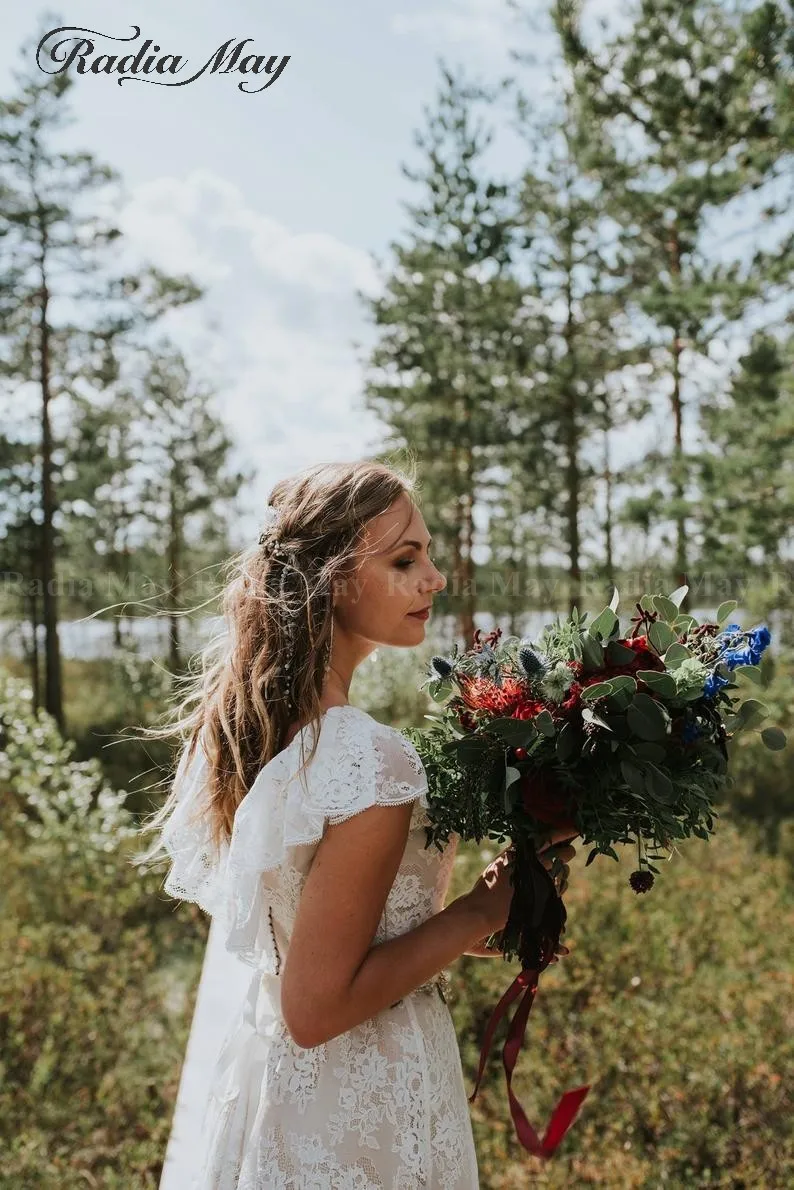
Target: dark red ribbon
[[565, 1112]]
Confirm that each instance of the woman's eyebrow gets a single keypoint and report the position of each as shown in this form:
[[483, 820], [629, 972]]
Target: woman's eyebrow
[[418, 544]]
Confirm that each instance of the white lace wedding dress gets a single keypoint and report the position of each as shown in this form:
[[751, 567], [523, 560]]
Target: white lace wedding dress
[[383, 1106]]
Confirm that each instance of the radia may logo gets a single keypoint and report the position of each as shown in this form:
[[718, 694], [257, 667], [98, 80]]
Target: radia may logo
[[56, 54]]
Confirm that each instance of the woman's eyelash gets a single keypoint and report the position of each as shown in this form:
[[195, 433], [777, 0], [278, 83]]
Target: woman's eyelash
[[409, 562]]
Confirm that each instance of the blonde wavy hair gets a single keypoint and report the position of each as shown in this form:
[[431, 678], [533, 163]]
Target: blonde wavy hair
[[267, 667]]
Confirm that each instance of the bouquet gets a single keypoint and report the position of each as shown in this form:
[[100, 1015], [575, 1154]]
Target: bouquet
[[622, 740]]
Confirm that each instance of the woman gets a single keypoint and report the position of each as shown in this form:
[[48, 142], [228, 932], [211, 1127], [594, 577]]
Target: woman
[[343, 1069]]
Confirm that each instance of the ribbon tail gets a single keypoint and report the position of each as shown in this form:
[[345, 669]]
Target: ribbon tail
[[564, 1115], [501, 1008], [568, 1106]]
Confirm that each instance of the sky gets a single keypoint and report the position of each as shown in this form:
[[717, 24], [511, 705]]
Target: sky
[[281, 203]]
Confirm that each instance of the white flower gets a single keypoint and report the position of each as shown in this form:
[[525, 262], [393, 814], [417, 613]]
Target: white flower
[[557, 681]]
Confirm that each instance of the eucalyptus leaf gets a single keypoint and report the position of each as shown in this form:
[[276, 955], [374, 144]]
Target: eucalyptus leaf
[[752, 712], [661, 683], [634, 778], [518, 733], [597, 690], [725, 609], [665, 607], [675, 655], [511, 774], [618, 654], [659, 785], [648, 750], [614, 601], [774, 738], [604, 624], [661, 636], [544, 724], [679, 595], [565, 746], [646, 718], [592, 652], [751, 672], [470, 749]]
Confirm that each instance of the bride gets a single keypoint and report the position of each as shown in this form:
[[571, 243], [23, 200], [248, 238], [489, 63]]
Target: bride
[[297, 820]]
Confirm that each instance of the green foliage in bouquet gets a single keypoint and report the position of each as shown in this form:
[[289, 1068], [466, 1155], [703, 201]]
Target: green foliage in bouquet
[[622, 739]]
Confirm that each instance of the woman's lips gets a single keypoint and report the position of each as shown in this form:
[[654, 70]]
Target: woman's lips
[[425, 615]]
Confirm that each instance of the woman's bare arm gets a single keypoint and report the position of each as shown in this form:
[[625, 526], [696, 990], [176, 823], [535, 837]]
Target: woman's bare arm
[[333, 977], [480, 950]]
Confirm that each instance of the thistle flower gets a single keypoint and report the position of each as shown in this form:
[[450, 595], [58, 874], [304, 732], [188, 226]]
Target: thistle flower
[[442, 667], [532, 665], [641, 881]]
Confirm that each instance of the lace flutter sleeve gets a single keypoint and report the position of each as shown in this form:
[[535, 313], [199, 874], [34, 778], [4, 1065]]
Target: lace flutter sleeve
[[197, 871], [369, 764]]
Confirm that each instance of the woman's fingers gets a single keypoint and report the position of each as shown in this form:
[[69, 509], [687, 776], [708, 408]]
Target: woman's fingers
[[559, 837], [564, 854]]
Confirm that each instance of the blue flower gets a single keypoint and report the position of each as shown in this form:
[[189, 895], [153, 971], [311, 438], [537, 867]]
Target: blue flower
[[691, 732], [713, 683], [736, 657], [761, 638]]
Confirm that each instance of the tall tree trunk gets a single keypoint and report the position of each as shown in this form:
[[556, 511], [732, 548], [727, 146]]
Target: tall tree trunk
[[33, 658], [608, 549], [52, 658], [572, 444], [174, 658], [678, 449], [469, 597]]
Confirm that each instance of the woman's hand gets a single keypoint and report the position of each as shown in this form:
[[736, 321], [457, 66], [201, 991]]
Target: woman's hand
[[496, 879], [555, 858]]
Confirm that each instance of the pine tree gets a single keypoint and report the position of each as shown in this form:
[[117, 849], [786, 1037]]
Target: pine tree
[[747, 469], [577, 293], [452, 347], [189, 478], [55, 258], [685, 116]]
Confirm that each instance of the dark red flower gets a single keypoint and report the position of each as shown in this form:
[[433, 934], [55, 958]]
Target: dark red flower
[[645, 656], [641, 881], [573, 697], [544, 799], [467, 721]]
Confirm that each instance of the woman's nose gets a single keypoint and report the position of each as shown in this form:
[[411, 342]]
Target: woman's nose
[[440, 582]]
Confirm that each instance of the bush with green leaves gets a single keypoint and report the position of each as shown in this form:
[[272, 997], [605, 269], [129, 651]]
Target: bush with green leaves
[[676, 1006], [99, 973]]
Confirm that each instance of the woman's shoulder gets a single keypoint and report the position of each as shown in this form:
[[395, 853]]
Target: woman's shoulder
[[348, 733]]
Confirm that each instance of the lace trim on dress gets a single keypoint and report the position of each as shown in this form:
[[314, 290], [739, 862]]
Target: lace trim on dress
[[359, 763]]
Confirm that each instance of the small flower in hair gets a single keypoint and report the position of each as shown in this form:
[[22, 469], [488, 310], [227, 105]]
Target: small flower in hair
[[271, 516]]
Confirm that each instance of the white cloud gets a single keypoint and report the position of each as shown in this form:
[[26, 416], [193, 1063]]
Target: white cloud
[[482, 23], [285, 306], [490, 28]]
